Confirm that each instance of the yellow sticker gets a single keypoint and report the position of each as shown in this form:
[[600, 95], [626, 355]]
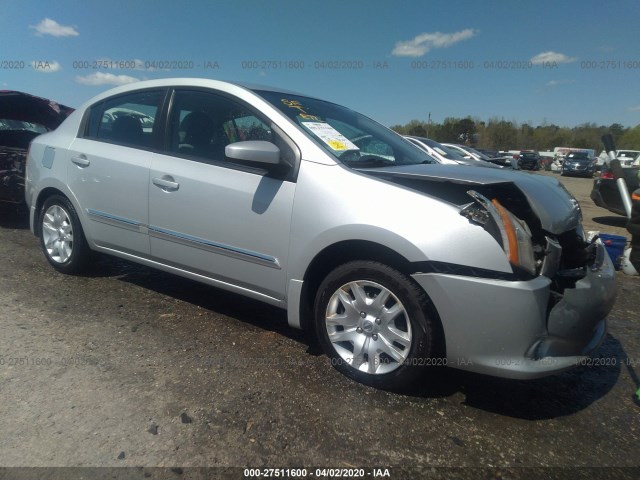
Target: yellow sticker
[[337, 145]]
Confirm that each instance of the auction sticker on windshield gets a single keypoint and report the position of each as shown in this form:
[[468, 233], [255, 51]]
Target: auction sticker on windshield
[[330, 136]]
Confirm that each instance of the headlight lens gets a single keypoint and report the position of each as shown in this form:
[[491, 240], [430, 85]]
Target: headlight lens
[[516, 239], [515, 236]]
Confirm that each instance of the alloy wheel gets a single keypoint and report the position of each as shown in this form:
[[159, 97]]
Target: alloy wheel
[[57, 233]]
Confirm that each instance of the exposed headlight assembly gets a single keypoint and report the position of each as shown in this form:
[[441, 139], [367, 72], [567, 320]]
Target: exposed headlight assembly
[[514, 235]]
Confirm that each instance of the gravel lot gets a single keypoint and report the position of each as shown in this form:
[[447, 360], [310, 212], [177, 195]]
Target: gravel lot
[[127, 366]]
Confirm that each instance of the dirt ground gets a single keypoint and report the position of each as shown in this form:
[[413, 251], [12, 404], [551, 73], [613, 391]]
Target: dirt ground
[[127, 366]]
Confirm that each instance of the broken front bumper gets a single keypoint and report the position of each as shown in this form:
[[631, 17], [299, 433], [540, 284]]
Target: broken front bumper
[[506, 329]]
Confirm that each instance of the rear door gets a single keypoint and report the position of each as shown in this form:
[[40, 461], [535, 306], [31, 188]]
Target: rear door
[[108, 169]]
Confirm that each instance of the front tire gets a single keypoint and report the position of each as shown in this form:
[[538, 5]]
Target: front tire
[[61, 236], [373, 323]]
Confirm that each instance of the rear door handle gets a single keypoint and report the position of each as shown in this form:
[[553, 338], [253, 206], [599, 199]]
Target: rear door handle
[[81, 160], [166, 183]]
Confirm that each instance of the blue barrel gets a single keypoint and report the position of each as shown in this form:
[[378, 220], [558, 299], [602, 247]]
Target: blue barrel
[[615, 247]]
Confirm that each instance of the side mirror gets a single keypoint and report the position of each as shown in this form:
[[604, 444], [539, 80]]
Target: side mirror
[[254, 151]]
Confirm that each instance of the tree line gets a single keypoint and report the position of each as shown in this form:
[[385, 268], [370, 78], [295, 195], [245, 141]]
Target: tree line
[[500, 134]]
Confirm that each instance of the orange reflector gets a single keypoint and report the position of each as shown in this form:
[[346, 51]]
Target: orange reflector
[[510, 231], [635, 197]]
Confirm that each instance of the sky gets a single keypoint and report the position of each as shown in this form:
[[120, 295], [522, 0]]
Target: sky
[[537, 62]]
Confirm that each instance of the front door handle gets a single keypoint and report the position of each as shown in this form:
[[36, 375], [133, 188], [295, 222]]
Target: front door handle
[[81, 160], [166, 183]]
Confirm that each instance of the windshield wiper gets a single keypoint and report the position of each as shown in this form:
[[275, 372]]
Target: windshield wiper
[[370, 161]]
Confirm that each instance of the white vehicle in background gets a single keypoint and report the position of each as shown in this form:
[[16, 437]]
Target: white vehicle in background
[[470, 153], [441, 153], [563, 151], [601, 160], [628, 158]]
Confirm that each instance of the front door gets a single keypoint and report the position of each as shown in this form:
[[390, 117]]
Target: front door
[[208, 215]]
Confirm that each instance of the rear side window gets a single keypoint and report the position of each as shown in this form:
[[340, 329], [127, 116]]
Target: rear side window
[[127, 119]]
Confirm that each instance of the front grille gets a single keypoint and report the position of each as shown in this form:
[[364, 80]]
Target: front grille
[[572, 266], [574, 254]]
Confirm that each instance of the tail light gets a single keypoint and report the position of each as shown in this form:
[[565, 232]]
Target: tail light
[[606, 175]]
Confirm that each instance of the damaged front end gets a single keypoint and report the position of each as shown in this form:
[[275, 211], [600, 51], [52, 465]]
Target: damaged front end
[[545, 316], [530, 249], [581, 287]]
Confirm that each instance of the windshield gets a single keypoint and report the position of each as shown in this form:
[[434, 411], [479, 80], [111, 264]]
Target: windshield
[[627, 154], [9, 124], [354, 139], [577, 156], [18, 134]]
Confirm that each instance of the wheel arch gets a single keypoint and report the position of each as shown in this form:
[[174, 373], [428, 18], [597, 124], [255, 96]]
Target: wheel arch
[[56, 188], [44, 194], [345, 251]]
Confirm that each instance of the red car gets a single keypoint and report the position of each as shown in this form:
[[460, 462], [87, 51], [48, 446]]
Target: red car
[[22, 118], [529, 160]]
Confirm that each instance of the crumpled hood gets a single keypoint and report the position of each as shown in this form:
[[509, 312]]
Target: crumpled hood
[[29, 108], [557, 210]]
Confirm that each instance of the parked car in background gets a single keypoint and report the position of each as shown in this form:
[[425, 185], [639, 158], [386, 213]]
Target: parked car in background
[[605, 191], [391, 260], [529, 160], [471, 153], [502, 160], [22, 118], [444, 154], [463, 151], [627, 158], [546, 160], [578, 164], [489, 153]]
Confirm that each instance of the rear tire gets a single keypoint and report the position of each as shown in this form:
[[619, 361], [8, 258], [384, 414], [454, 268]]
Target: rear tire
[[61, 236], [373, 323]]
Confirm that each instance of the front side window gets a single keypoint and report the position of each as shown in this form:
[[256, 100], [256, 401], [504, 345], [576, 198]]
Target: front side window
[[202, 124], [354, 139], [126, 119]]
